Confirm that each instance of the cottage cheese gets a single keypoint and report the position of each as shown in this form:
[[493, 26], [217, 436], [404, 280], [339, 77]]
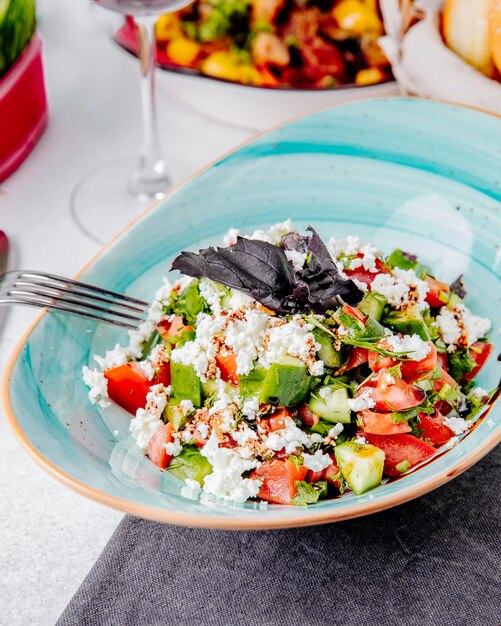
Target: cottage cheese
[[230, 239], [246, 337], [156, 399], [98, 386], [478, 392], [173, 448], [144, 426], [226, 480], [416, 348], [402, 289], [290, 438], [460, 328], [458, 425], [113, 358], [362, 402], [297, 259], [316, 462], [275, 233], [211, 294], [334, 432], [250, 408]]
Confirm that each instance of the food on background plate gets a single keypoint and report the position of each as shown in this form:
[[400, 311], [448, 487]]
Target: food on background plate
[[283, 369], [277, 43]]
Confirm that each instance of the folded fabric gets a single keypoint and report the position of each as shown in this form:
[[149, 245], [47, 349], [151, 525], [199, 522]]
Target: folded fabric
[[435, 561]]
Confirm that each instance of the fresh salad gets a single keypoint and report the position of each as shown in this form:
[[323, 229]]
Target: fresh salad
[[275, 43], [284, 369]]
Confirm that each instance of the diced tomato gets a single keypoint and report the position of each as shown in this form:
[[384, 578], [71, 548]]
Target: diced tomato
[[308, 417], [399, 448], [171, 327], [162, 375], [358, 356], [445, 379], [438, 292], [434, 428], [392, 396], [412, 370], [381, 423], [354, 312], [378, 362], [128, 386], [331, 473], [313, 477], [365, 276], [443, 359], [198, 440], [227, 363], [442, 407], [279, 479], [480, 351], [156, 446], [277, 420]]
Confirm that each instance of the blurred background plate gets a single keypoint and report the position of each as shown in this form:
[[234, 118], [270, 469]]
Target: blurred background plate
[[418, 174]]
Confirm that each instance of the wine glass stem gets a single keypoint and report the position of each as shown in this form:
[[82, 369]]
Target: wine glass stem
[[150, 178]]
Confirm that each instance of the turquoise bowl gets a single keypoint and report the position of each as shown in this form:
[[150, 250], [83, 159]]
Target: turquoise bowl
[[401, 172]]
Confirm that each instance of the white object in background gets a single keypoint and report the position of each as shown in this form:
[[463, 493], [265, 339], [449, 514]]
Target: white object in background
[[259, 108], [424, 66]]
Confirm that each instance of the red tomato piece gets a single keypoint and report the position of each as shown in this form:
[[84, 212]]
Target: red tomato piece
[[128, 386], [171, 327], [393, 396], [413, 370], [277, 420], [279, 479], [227, 363], [331, 473], [480, 351], [308, 417], [358, 356], [443, 359], [434, 428], [162, 375], [438, 293], [381, 423], [445, 379], [354, 312], [156, 447], [399, 448], [379, 362], [365, 276]]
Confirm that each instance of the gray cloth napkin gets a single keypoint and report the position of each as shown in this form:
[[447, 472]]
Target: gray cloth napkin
[[434, 561]]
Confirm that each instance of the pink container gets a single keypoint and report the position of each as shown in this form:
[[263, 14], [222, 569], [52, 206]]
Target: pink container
[[23, 108]]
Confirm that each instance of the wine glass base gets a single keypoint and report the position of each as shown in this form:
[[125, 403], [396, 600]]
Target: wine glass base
[[109, 197]]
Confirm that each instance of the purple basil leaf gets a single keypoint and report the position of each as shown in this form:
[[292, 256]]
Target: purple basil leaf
[[458, 287]]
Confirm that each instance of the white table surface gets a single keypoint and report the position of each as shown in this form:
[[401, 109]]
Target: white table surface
[[50, 536]]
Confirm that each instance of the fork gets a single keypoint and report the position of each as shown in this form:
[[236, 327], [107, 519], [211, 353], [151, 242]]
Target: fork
[[43, 290]]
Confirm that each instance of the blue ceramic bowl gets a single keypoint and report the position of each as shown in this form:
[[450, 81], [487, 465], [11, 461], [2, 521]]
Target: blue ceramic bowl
[[417, 174]]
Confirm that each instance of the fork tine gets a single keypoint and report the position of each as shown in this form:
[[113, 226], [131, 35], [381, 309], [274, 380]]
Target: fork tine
[[20, 274], [16, 284], [72, 301], [67, 309]]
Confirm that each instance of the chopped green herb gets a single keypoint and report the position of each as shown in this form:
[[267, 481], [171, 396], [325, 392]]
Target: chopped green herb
[[309, 493]]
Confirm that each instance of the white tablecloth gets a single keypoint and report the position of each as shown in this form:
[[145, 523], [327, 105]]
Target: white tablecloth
[[50, 536]]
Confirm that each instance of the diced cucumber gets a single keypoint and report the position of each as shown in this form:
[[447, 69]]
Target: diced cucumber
[[251, 383], [185, 383], [327, 353], [286, 384], [373, 304], [361, 465], [408, 322], [454, 300], [209, 388], [334, 406], [190, 464], [373, 329], [174, 414]]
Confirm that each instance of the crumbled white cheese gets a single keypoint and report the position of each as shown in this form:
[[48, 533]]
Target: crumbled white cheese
[[230, 239], [362, 401], [192, 484], [325, 393], [458, 425], [275, 233], [173, 448], [243, 434], [211, 294], [226, 480], [416, 348], [316, 462], [360, 440], [113, 358], [478, 392], [296, 258], [144, 426], [156, 399], [347, 246], [316, 368], [250, 408], [368, 259], [459, 327], [148, 369], [239, 300], [245, 337], [186, 406], [290, 438], [397, 288], [202, 428], [98, 386], [335, 431]]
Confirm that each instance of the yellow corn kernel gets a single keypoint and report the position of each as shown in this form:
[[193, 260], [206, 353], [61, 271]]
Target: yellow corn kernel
[[167, 27], [369, 76], [356, 17], [249, 74], [182, 50], [221, 65]]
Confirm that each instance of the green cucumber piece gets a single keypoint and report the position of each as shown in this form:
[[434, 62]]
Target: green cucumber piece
[[333, 408], [454, 300], [189, 463], [286, 384], [361, 465], [373, 304], [174, 415], [186, 384], [373, 330], [252, 383], [327, 353], [408, 322]]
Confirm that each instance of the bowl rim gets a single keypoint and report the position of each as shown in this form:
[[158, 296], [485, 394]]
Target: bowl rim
[[202, 520]]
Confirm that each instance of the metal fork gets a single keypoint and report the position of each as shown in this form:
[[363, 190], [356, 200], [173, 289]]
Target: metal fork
[[43, 290]]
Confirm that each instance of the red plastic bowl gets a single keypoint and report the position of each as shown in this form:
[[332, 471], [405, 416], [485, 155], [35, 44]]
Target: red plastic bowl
[[23, 108]]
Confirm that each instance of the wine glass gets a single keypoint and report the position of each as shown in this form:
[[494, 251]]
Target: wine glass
[[114, 192]]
